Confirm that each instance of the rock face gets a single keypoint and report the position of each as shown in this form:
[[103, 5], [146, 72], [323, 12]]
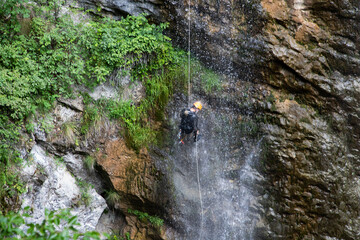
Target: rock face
[[300, 60], [312, 154], [51, 186], [121, 8], [308, 97], [67, 168], [139, 184], [220, 33]]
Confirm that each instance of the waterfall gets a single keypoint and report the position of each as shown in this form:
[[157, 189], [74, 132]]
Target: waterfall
[[213, 179]]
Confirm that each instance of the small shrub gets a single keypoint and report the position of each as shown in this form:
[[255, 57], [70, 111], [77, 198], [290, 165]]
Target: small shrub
[[47, 124], [69, 130], [59, 161], [85, 197], [48, 229], [112, 197], [154, 220], [89, 162], [138, 132], [207, 79], [127, 236], [210, 81], [91, 119]]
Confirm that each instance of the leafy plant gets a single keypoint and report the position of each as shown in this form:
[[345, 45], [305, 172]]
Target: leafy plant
[[10, 12], [138, 132], [127, 236], [47, 124], [59, 161], [75, 53], [10, 183], [154, 220], [13, 223], [131, 43]]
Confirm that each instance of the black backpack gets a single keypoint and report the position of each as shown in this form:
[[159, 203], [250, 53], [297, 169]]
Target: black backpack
[[187, 120]]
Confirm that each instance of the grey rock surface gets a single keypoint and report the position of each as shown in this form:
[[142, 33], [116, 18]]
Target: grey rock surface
[[51, 186]]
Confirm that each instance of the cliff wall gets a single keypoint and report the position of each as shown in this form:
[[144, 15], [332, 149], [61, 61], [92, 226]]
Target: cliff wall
[[298, 63]]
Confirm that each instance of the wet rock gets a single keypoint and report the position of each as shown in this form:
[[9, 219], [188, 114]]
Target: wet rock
[[313, 74], [304, 58], [76, 164], [64, 114]]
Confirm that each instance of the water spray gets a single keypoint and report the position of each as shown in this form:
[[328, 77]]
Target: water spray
[[189, 102]]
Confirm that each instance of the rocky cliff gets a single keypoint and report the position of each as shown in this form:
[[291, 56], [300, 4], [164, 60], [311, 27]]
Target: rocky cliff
[[307, 55], [313, 151], [298, 63]]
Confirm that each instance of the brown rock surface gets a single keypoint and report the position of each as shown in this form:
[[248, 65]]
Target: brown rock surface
[[138, 183]]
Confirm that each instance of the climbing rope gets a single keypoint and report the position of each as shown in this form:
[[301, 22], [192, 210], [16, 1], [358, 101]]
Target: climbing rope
[[189, 102], [189, 48], [199, 188]]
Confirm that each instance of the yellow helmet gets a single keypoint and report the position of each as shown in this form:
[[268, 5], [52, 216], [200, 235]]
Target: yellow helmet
[[198, 105]]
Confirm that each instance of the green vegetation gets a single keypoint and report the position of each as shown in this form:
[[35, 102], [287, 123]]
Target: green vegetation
[[10, 184], [89, 162], [112, 197], [248, 127], [209, 80], [69, 131], [118, 236], [131, 44], [76, 54], [91, 119], [138, 131], [127, 236], [154, 220], [59, 161], [85, 197], [11, 223]]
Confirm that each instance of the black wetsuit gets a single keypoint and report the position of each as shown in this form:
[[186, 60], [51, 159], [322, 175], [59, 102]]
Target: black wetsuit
[[189, 122]]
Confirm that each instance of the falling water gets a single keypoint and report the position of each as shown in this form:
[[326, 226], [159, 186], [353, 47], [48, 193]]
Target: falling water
[[189, 103], [189, 51], [214, 180]]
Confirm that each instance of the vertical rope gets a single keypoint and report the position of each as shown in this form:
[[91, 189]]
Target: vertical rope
[[189, 102], [199, 188], [189, 48]]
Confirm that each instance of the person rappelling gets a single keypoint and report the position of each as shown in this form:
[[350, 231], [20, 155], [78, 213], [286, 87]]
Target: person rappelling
[[189, 122]]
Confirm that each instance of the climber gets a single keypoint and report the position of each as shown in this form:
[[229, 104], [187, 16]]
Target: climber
[[189, 122]]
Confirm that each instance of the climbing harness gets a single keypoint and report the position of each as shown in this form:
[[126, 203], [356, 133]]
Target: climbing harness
[[181, 138]]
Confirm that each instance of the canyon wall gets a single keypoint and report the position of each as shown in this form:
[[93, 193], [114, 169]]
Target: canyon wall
[[301, 58], [312, 152], [297, 62]]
